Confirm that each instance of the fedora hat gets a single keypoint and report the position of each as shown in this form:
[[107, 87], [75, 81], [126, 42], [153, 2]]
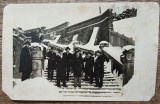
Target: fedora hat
[[67, 48]]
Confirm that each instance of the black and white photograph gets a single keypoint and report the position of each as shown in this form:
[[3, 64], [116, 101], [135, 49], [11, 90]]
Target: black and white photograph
[[80, 51]]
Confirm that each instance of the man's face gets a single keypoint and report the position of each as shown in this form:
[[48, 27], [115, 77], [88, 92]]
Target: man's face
[[89, 55], [27, 45], [67, 50], [78, 53], [98, 54]]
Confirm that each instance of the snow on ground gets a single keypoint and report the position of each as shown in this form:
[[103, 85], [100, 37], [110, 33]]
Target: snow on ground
[[32, 87]]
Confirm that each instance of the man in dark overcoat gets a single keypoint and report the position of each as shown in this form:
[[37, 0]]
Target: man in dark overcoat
[[99, 67], [89, 62], [67, 56], [51, 64], [25, 61], [61, 72], [77, 62]]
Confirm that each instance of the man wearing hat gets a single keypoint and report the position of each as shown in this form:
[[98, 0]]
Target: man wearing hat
[[77, 62], [61, 72], [67, 56], [51, 64], [25, 61], [89, 62], [99, 60]]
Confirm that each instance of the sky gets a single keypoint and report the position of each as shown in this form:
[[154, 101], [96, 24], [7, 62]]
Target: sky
[[29, 16], [50, 15]]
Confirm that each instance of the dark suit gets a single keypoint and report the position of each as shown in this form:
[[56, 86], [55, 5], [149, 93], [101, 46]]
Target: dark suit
[[61, 72], [51, 64], [25, 63], [89, 62], [99, 69], [77, 69], [67, 62]]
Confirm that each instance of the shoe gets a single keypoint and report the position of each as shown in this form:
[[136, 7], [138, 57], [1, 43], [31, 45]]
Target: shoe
[[58, 85], [79, 86], [96, 86], [100, 86], [65, 86], [75, 86], [90, 82], [86, 79]]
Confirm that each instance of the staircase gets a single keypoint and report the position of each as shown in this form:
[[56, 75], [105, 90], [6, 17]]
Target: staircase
[[112, 86]]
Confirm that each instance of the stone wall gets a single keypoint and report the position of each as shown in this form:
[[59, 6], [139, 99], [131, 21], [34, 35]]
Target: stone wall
[[117, 39], [84, 30], [104, 22], [61, 26]]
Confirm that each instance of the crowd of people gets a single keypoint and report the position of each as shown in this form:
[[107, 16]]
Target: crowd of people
[[65, 63]]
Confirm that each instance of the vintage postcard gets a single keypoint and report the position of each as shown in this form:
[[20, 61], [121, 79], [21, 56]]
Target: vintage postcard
[[80, 51]]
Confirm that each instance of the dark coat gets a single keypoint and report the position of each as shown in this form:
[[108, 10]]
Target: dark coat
[[89, 62], [67, 59], [44, 52], [77, 65], [51, 60], [99, 66], [61, 72], [25, 63]]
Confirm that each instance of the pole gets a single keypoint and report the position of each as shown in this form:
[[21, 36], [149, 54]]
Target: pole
[[99, 10]]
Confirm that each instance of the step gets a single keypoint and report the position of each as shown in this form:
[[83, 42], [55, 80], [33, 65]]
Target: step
[[93, 95], [104, 80], [71, 77], [82, 81], [87, 84], [90, 88], [72, 95], [103, 88], [88, 91], [46, 72], [93, 86]]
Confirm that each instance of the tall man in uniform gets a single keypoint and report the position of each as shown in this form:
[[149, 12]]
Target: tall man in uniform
[[67, 56]]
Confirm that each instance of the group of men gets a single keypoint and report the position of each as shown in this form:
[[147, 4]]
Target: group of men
[[66, 63]]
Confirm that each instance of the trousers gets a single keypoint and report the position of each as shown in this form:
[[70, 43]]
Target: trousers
[[77, 80], [99, 81]]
